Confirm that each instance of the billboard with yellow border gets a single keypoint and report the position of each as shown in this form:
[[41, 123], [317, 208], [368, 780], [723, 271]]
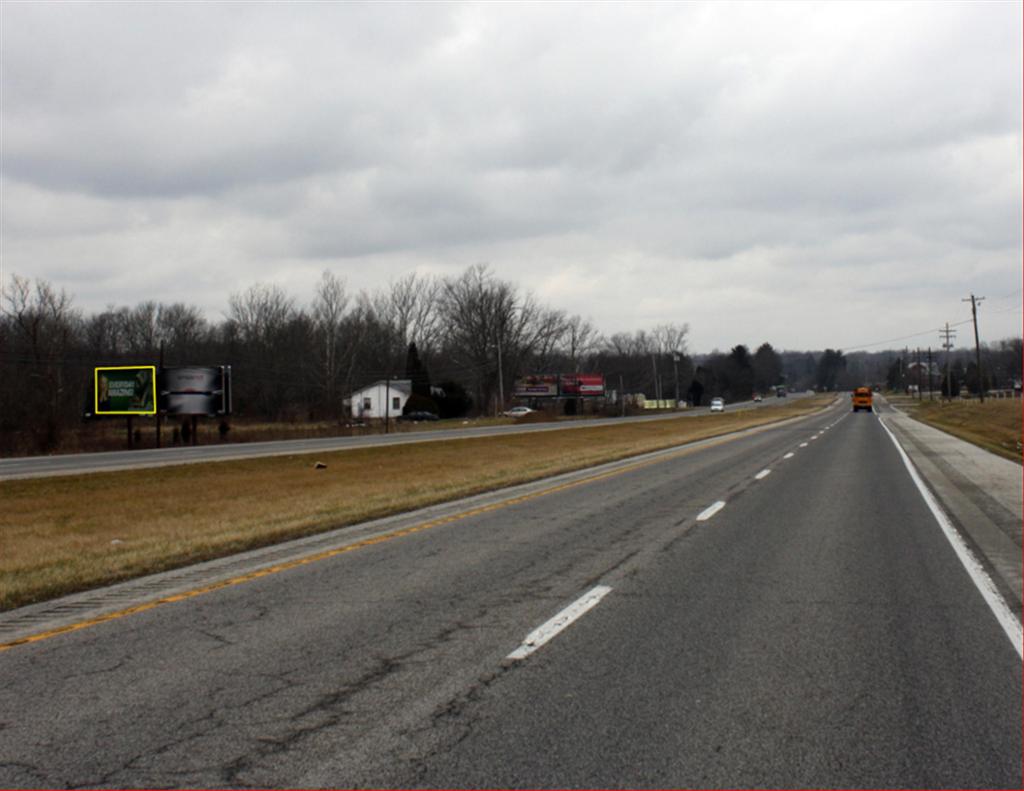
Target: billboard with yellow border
[[125, 390]]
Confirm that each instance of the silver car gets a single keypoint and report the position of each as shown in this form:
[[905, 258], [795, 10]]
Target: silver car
[[717, 405]]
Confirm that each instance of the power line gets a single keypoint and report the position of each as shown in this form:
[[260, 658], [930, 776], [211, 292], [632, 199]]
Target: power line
[[901, 338]]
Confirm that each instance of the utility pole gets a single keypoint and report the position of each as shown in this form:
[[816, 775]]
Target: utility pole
[[160, 373], [675, 368], [501, 380], [919, 373], [387, 403], [947, 344], [654, 365], [930, 373], [977, 346], [622, 395]]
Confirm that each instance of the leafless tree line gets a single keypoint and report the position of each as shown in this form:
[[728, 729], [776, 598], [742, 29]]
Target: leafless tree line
[[292, 361]]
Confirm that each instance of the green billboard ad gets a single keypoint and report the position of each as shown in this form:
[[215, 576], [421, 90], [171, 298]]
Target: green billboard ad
[[126, 390]]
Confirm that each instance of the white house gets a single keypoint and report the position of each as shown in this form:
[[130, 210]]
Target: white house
[[381, 398]]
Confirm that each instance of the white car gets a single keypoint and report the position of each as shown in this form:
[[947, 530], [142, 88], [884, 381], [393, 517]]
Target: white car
[[518, 411], [717, 405]]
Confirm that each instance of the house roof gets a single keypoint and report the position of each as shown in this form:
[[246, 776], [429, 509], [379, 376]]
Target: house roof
[[401, 385]]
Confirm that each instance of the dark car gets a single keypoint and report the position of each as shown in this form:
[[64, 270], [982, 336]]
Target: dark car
[[416, 417]]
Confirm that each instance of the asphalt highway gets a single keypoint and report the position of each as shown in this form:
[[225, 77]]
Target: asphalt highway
[[78, 463], [776, 610]]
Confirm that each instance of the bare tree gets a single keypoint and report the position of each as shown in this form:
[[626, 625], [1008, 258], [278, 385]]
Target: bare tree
[[38, 375], [487, 320], [260, 312], [102, 334], [139, 329], [182, 329], [670, 338], [581, 339], [264, 332], [329, 309], [410, 305]]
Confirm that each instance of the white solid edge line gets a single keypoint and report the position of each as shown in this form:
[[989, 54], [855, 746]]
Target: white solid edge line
[[789, 455], [974, 569], [762, 474], [710, 511], [550, 628]]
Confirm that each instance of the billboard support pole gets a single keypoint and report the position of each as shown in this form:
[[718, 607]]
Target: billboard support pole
[[131, 438], [195, 429], [501, 381], [159, 377]]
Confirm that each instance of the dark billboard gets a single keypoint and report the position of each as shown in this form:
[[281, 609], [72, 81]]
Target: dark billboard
[[196, 390], [536, 386]]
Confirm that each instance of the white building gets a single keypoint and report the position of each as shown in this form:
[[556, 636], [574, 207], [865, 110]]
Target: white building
[[381, 398]]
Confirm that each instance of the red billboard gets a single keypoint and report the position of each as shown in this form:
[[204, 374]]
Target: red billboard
[[581, 384]]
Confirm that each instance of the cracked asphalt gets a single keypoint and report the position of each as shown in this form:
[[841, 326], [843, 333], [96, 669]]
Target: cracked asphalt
[[817, 632]]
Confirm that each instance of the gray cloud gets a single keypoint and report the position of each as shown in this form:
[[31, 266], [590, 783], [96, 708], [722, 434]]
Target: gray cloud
[[759, 162]]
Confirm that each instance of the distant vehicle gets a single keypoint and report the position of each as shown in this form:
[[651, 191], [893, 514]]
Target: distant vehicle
[[862, 399], [780, 392], [417, 417], [518, 411], [717, 405], [757, 398]]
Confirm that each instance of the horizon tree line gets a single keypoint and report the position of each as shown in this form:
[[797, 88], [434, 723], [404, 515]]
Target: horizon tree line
[[299, 362]]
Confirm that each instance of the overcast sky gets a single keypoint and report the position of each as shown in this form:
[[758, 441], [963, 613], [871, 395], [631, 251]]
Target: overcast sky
[[806, 174]]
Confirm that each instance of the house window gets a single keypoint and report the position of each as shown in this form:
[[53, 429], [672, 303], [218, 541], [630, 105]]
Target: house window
[[367, 404], [396, 403]]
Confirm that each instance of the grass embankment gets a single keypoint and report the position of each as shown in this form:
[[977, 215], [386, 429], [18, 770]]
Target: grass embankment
[[60, 535], [111, 434], [994, 425]]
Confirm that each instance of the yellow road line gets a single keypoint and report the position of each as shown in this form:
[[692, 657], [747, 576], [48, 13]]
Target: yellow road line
[[380, 539]]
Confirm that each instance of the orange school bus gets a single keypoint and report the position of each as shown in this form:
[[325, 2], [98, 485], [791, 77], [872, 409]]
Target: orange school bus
[[862, 399]]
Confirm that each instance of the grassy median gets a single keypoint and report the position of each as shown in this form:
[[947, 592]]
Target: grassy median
[[994, 425], [66, 534]]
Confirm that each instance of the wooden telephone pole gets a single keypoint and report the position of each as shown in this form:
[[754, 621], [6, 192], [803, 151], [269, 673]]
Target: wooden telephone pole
[[947, 344], [977, 346]]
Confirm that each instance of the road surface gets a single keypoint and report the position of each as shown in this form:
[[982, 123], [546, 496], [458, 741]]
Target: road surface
[[781, 610], [78, 463]]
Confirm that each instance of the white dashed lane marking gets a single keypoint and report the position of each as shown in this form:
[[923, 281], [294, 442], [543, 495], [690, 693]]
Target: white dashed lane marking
[[710, 511], [552, 627]]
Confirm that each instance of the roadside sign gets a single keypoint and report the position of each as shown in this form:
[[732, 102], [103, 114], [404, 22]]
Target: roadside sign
[[125, 390], [536, 386], [582, 384], [196, 390]]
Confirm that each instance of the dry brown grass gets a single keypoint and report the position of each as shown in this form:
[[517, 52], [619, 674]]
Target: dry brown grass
[[59, 535], [111, 434], [994, 425]]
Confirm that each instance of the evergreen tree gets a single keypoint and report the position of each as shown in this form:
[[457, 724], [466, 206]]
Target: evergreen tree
[[417, 372]]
